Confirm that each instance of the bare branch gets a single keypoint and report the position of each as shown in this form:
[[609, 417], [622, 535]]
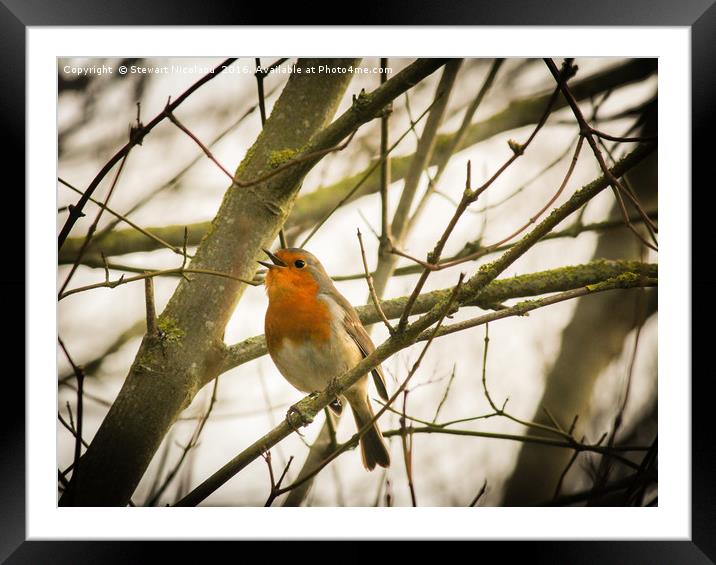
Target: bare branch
[[136, 138], [93, 227], [371, 288], [173, 119], [587, 131], [79, 373], [151, 274], [456, 140], [479, 495], [152, 329], [554, 280]]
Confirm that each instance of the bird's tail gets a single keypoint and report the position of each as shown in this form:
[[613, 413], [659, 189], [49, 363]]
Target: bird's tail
[[372, 446]]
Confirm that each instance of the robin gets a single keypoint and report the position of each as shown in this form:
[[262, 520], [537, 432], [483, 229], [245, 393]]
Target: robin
[[314, 335]]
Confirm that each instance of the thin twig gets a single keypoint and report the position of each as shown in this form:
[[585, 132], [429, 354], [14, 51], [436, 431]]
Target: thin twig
[[177, 271], [260, 75], [135, 139], [588, 132], [371, 288], [549, 203], [625, 215], [406, 440], [445, 394], [572, 459], [124, 219], [551, 418], [79, 373], [193, 442], [173, 119], [93, 227], [71, 429], [623, 139], [275, 485], [531, 180], [152, 329], [479, 495], [362, 180]]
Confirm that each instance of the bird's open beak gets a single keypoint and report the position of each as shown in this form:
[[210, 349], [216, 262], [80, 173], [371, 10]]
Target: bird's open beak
[[275, 261]]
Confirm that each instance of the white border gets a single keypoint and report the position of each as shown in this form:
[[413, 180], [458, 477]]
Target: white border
[[672, 517]]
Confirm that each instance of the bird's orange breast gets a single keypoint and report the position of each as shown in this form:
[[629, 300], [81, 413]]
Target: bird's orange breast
[[294, 311]]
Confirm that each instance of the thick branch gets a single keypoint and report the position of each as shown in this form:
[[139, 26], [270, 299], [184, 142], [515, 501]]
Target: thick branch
[[534, 284]]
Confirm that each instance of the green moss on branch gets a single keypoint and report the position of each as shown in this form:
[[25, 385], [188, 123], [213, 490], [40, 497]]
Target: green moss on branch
[[534, 284]]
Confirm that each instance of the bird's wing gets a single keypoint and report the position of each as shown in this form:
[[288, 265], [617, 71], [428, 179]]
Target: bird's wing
[[355, 329]]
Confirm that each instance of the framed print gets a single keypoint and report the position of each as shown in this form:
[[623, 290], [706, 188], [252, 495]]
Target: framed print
[[449, 232]]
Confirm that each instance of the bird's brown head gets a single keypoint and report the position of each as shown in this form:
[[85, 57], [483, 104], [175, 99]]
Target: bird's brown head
[[293, 271]]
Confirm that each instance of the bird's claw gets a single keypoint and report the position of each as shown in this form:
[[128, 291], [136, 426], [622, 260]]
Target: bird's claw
[[333, 384], [296, 418]]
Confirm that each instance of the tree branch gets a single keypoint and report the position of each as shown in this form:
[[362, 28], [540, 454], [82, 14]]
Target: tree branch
[[534, 284]]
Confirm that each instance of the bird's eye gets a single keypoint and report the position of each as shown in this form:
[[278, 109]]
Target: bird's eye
[[300, 263]]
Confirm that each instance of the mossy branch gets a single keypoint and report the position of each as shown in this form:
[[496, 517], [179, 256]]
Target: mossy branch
[[533, 284]]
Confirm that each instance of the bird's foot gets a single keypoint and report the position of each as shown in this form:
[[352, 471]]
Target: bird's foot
[[296, 418], [333, 384]]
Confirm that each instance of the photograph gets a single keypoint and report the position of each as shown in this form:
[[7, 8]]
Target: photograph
[[357, 282]]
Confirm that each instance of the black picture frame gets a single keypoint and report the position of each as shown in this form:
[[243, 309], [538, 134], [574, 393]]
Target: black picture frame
[[699, 15]]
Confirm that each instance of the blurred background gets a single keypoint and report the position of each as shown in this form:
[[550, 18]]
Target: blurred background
[[589, 357]]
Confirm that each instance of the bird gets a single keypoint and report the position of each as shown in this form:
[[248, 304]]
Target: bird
[[314, 335]]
